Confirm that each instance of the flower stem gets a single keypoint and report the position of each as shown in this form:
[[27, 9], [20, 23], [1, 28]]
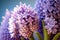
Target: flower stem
[[39, 36], [46, 36], [31, 38], [22, 38], [56, 36]]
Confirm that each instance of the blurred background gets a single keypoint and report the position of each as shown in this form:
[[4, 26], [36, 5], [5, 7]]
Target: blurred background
[[10, 4]]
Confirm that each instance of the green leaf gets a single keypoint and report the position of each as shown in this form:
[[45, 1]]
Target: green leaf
[[38, 35], [46, 36], [56, 36]]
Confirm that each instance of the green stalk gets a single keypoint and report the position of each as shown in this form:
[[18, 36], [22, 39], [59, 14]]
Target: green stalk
[[56, 36], [46, 36], [22, 38], [31, 38], [39, 36]]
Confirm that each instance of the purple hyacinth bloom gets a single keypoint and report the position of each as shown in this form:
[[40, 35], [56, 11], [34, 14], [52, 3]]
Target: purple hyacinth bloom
[[41, 8], [50, 24], [47, 7], [4, 33], [22, 21]]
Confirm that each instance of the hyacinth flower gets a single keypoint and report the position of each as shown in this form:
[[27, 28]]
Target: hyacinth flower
[[4, 33], [56, 28], [49, 8], [52, 28], [41, 10], [41, 7], [25, 20], [50, 23], [49, 28], [20, 23], [44, 7], [22, 20]]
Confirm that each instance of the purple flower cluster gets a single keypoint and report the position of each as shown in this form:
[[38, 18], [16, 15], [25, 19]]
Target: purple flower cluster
[[51, 9], [55, 20], [23, 21], [4, 33], [50, 23], [47, 6]]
